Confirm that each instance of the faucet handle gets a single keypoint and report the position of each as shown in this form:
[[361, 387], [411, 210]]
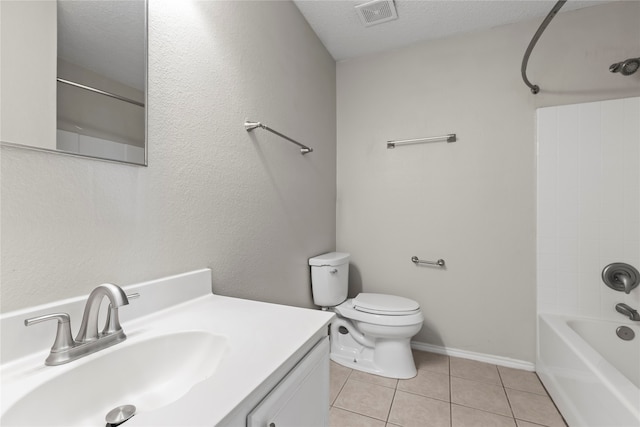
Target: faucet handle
[[112, 323], [63, 340]]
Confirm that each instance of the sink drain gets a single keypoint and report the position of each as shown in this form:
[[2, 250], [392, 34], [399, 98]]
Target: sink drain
[[120, 414]]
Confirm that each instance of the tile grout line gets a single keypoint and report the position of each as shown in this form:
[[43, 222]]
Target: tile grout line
[[370, 383], [427, 397], [476, 380], [366, 383], [527, 391], [386, 421], [492, 413], [450, 394], [552, 401], [533, 394], [504, 390], [362, 415], [341, 388]]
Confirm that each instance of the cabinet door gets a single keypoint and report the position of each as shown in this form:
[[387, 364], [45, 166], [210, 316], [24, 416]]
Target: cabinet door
[[301, 399]]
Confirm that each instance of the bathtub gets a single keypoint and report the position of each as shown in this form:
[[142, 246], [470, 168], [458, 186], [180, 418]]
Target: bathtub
[[592, 375]]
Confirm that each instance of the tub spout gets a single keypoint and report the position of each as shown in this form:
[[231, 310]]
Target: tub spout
[[628, 311]]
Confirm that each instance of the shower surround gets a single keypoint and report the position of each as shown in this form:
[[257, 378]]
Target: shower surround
[[588, 204], [588, 217]]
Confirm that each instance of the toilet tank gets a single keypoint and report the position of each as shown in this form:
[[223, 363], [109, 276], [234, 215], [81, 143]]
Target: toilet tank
[[329, 278]]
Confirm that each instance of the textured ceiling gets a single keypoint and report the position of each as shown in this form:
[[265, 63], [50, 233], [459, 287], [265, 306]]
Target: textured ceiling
[[106, 36], [338, 26]]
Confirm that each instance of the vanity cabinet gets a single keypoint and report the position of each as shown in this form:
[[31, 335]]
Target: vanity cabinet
[[301, 398]]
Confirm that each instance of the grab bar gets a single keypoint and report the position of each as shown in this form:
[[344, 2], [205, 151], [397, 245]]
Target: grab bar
[[449, 138], [416, 261], [249, 126], [101, 92], [523, 69]]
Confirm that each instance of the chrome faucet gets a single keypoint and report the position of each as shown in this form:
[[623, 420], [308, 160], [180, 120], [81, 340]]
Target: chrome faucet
[[89, 327], [628, 311], [65, 349]]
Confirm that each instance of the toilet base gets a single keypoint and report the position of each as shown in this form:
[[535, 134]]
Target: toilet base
[[390, 358]]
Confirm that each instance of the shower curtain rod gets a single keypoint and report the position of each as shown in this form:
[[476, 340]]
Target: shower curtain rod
[[523, 69], [101, 92], [249, 126]]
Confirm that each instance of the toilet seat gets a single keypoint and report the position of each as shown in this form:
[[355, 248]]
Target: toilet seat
[[406, 318], [387, 305]]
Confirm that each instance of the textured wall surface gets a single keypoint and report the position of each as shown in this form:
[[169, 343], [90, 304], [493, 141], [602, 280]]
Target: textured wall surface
[[28, 72], [247, 205], [471, 202]]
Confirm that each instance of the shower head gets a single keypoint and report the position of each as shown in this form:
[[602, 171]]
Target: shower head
[[626, 67]]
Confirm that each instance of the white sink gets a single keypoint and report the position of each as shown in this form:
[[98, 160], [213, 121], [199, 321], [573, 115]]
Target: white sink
[[191, 358], [146, 372]]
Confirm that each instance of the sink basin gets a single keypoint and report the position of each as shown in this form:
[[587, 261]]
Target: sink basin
[[148, 373]]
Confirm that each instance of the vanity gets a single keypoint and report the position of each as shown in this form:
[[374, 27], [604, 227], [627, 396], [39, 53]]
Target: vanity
[[191, 358]]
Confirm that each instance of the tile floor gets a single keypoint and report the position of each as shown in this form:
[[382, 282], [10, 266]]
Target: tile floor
[[447, 392]]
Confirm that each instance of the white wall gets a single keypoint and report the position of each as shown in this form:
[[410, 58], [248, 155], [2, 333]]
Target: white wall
[[28, 73], [471, 202], [588, 204], [247, 205]]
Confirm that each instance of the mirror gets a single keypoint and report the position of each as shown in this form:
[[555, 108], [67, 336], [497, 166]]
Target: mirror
[[74, 76]]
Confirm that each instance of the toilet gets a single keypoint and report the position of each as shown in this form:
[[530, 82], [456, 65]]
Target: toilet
[[373, 331]]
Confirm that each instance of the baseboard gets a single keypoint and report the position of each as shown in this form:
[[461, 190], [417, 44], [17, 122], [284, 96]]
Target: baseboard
[[480, 357]]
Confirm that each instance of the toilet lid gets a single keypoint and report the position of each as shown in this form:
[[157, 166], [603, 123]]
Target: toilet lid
[[384, 304]]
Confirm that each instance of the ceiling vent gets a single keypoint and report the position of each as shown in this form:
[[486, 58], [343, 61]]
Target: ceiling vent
[[377, 12]]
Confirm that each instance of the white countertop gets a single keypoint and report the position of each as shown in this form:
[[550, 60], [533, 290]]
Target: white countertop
[[262, 337], [264, 341]]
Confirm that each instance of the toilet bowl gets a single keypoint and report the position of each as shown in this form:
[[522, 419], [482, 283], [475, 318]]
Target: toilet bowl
[[372, 332]]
